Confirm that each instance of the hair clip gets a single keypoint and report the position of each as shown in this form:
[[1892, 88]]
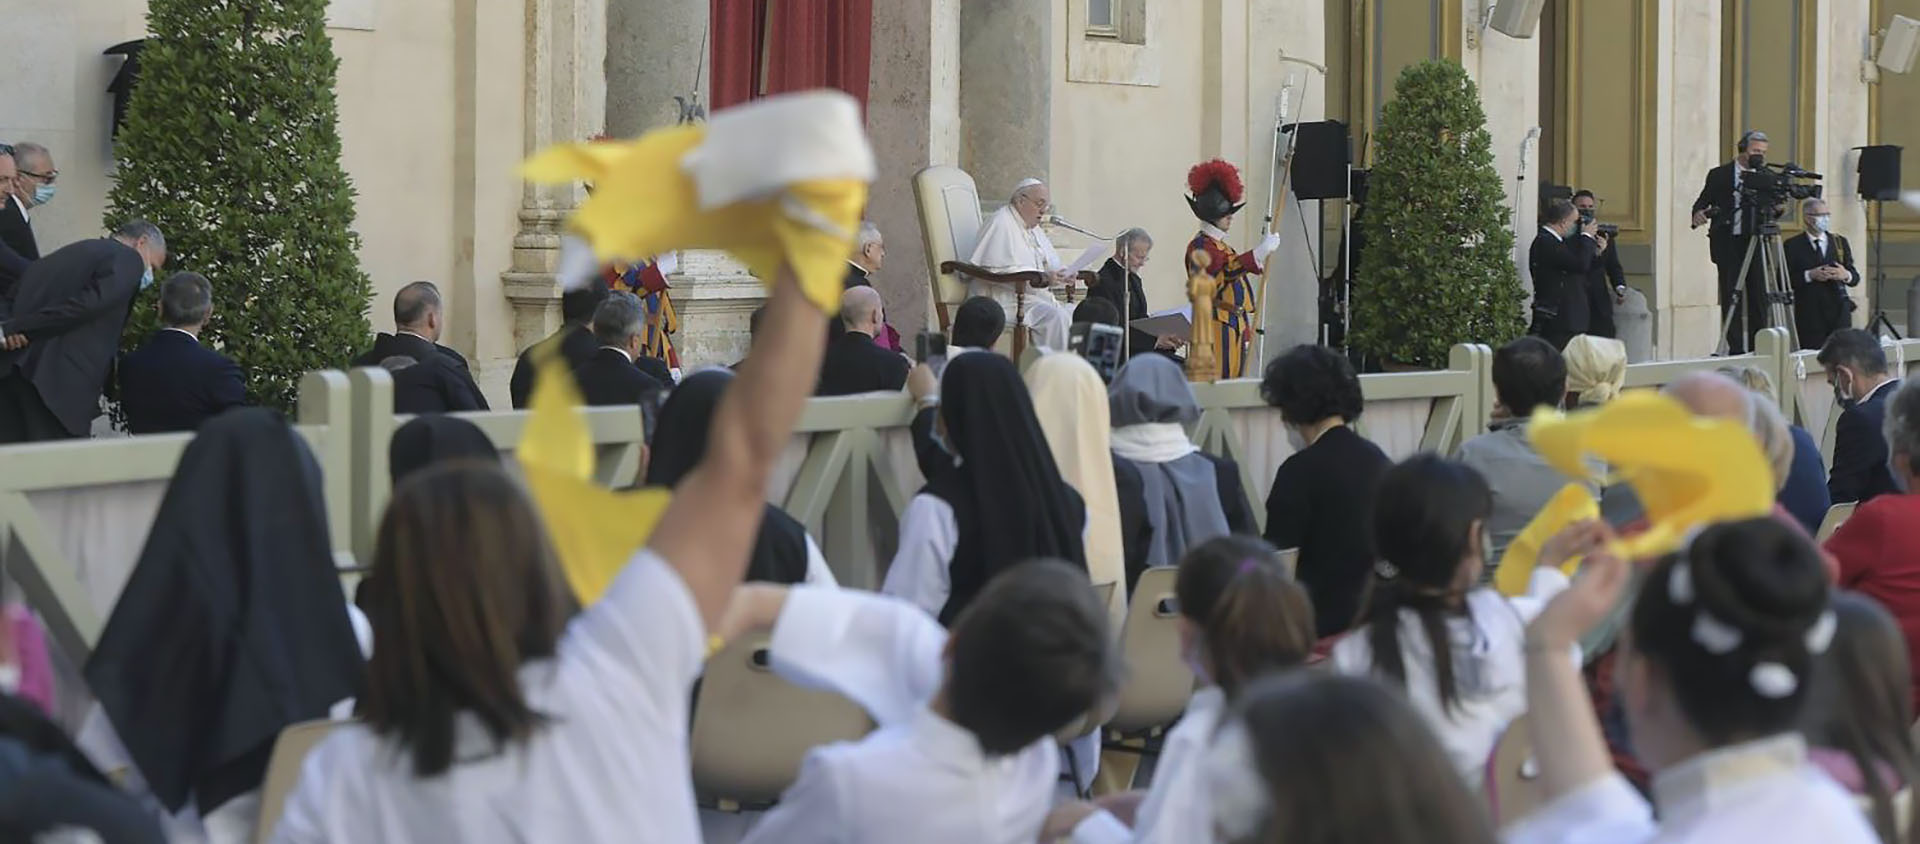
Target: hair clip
[[1820, 635], [1386, 570], [1680, 583], [1717, 637], [1773, 680], [1246, 565]]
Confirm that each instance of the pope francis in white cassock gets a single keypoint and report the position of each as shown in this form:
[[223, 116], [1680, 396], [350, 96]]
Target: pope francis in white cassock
[[1012, 242]]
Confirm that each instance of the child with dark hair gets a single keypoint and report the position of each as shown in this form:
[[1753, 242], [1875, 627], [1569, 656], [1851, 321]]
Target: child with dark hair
[[1859, 715], [1322, 493], [1714, 669], [1455, 646], [965, 750], [1314, 757], [1241, 617]]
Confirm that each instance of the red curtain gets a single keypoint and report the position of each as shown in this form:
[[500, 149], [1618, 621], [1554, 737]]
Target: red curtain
[[806, 44]]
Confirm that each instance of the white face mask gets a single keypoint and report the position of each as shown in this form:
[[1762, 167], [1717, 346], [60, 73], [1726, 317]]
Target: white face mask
[[1822, 223]]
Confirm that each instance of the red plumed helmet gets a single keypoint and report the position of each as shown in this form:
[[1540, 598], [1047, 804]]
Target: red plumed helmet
[[1216, 189]]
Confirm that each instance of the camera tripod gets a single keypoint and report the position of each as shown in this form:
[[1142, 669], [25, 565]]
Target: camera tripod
[[1778, 289]]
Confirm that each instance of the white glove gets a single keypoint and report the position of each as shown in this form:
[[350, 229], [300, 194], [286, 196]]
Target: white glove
[[1266, 247], [667, 263]]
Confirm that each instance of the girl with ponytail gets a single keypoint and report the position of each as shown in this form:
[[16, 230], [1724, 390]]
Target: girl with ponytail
[[1859, 715], [1241, 617], [1714, 672], [1429, 628]]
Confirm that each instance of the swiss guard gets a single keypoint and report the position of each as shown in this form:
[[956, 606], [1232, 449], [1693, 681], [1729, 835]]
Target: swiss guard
[[1216, 195]]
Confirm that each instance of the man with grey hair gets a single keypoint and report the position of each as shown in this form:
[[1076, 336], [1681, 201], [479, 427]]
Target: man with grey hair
[[1727, 212], [1878, 547], [12, 261], [1820, 268], [869, 255], [173, 383], [1119, 283], [1012, 242], [60, 341], [611, 377], [32, 184]]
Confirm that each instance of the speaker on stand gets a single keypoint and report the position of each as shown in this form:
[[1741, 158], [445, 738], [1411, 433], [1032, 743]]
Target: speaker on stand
[[1322, 167], [1879, 170]]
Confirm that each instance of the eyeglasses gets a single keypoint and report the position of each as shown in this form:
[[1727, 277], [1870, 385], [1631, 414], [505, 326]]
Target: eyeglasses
[[44, 177]]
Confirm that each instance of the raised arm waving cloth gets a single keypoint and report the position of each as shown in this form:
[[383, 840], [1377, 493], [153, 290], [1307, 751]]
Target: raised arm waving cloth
[[1687, 471], [779, 183]]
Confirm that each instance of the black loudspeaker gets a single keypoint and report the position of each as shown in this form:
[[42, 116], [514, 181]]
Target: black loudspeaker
[[1320, 159], [1880, 172]]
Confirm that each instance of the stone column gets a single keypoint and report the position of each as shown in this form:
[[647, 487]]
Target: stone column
[[1507, 72], [566, 100], [655, 48], [1006, 94], [1840, 99], [1686, 288], [913, 118]]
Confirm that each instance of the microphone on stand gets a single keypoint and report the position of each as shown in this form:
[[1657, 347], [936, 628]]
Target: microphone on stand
[[1062, 222]]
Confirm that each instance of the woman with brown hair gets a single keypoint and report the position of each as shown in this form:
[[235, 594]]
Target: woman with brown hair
[[1859, 714], [493, 711]]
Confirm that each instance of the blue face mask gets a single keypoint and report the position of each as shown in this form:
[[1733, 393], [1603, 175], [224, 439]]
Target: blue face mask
[[43, 194], [146, 278]]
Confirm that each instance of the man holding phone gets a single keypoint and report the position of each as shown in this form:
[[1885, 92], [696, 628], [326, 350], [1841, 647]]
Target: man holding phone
[[1606, 281]]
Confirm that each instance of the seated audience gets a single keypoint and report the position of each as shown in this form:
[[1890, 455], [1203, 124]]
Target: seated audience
[[494, 713], [1241, 618], [1001, 501], [1805, 494], [1596, 370], [965, 749], [1712, 395], [49, 792], [26, 668], [230, 629], [977, 325], [1859, 714], [1323, 494], [1119, 282], [439, 381], [1879, 546], [1528, 374], [1096, 311], [1174, 495], [426, 441], [855, 363], [1454, 646], [172, 383], [574, 339], [1715, 669], [784, 552], [1070, 402], [1857, 368], [1311, 756], [869, 253], [611, 377]]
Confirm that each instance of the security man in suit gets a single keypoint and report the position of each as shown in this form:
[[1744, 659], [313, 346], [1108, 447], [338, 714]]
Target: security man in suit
[[441, 382], [173, 383], [64, 331], [1606, 279], [1731, 226], [13, 262], [1559, 259], [1820, 268], [611, 376]]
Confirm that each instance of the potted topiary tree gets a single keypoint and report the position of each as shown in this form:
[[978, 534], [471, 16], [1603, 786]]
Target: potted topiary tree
[[1438, 268], [230, 147]]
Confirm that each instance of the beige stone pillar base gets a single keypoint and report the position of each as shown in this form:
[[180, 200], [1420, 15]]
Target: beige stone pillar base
[[715, 297]]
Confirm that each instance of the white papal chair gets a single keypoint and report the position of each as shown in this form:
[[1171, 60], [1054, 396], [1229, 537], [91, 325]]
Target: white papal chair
[[950, 227]]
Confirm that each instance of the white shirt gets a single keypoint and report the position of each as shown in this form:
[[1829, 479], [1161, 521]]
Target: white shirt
[[1489, 669], [929, 533], [610, 765], [1008, 245], [818, 572], [623, 352], [1177, 809], [1760, 791], [919, 777]]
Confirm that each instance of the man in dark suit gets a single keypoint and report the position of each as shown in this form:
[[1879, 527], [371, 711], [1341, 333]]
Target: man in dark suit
[[33, 185], [854, 362], [1820, 267], [1119, 283], [440, 382], [13, 262], [610, 376], [1731, 224], [1559, 259], [575, 338], [1857, 368], [173, 383], [869, 255], [1606, 280], [59, 343]]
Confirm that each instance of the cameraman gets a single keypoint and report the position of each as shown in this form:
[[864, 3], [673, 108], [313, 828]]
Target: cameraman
[[1606, 281], [1727, 209]]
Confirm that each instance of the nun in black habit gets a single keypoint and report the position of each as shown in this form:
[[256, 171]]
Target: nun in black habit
[[1002, 503], [232, 625], [426, 441], [784, 552]]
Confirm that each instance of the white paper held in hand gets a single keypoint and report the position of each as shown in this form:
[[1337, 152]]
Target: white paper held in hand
[[1089, 257]]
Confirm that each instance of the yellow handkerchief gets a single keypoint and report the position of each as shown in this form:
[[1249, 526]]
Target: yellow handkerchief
[[1571, 505]]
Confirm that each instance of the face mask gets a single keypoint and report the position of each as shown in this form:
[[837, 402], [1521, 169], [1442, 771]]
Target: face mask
[[146, 278], [43, 194], [1755, 160], [1821, 223], [1586, 215], [1840, 396]]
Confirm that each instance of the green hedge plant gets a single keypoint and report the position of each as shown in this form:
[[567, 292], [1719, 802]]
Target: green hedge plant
[[231, 148], [1439, 267]]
